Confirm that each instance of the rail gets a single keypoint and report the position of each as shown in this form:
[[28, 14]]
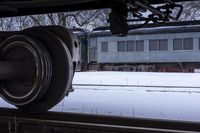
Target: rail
[[14, 121]]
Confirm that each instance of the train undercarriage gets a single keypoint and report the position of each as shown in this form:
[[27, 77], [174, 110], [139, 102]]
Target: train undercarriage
[[37, 64]]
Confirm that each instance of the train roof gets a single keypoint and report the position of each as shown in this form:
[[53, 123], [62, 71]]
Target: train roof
[[175, 27], [80, 32]]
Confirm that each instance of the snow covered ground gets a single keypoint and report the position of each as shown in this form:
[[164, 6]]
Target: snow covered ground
[[138, 78], [131, 98]]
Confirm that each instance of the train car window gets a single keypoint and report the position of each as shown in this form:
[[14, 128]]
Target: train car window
[[139, 45], [177, 44], [153, 45], [104, 46], [130, 46], [163, 44], [121, 46], [187, 43]]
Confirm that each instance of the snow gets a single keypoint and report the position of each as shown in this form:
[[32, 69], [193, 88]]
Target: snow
[[127, 103], [138, 78], [179, 102]]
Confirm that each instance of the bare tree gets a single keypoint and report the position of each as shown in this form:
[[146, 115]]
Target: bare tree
[[85, 19], [7, 24], [191, 11]]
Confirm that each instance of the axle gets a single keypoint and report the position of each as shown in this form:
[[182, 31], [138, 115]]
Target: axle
[[16, 70]]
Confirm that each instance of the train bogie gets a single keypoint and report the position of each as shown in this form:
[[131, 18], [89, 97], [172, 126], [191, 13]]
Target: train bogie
[[40, 62]]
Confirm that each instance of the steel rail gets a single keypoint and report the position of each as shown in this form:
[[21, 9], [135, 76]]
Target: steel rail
[[14, 121], [128, 86]]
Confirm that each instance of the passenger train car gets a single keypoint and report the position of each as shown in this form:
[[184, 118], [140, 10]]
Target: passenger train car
[[159, 49]]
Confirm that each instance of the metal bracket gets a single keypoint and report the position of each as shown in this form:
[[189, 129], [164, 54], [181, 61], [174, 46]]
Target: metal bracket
[[119, 21]]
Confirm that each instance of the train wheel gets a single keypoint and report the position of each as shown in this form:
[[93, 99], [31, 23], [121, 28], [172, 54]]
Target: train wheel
[[60, 71], [62, 33], [33, 57], [68, 38]]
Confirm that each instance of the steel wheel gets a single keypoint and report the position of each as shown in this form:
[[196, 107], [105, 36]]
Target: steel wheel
[[24, 49], [62, 70]]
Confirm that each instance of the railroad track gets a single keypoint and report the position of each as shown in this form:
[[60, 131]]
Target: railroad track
[[146, 86], [14, 121]]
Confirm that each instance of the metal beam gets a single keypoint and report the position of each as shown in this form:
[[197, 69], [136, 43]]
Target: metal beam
[[9, 8]]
